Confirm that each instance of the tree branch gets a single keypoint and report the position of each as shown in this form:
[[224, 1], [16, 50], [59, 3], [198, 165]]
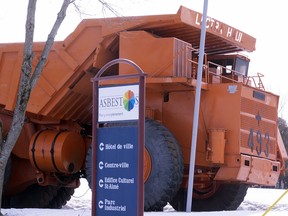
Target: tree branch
[[50, 40], [108, 6], [29, 36]]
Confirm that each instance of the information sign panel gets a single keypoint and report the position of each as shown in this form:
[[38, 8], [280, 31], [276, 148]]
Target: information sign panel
[[117, 171]]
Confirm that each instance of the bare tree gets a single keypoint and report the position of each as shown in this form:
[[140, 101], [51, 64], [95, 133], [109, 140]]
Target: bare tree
[[283, 128], [282, 105], [28, 80]]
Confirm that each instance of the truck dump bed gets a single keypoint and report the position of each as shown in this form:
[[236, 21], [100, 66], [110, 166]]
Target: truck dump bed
[[64, 90]]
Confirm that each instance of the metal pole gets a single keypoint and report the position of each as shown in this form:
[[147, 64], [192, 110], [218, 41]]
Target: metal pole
[[94, 144], [196, 109], [141, 144]]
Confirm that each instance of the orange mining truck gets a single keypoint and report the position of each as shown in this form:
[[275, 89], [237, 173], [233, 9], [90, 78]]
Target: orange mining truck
[[238, 142]]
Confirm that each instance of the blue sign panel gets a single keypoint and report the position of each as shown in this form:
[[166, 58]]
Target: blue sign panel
[[117, 171]]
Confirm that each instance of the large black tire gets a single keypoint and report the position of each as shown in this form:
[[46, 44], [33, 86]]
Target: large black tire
[[36, 196], [88, 167], [227, 197], [167, 166], [63, 195], [7, 172]]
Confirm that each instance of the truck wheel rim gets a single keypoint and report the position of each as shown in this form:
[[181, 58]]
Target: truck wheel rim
[[147, 165], [206, 192]]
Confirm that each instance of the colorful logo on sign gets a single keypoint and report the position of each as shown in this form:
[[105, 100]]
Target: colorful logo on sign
[[129, 100], [118, 103]]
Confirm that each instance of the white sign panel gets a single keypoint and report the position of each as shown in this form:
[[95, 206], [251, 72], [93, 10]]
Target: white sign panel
[[118, 103]]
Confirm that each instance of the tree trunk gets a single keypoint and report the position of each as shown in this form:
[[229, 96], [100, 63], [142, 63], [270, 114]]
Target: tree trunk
[[22, 97], [3, 162], [2, 165]]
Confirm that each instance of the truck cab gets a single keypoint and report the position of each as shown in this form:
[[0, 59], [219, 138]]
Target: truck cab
[[228, 64]]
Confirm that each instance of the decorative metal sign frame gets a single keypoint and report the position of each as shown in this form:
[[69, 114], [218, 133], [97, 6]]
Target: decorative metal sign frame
[[140, 75]]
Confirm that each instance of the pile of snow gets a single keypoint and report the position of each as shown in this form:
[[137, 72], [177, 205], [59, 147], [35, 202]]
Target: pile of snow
[[256, 202]]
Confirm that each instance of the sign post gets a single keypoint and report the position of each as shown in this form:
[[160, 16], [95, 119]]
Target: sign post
[[118, 144]]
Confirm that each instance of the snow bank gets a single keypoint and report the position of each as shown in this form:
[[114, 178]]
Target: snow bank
[[256, 202]]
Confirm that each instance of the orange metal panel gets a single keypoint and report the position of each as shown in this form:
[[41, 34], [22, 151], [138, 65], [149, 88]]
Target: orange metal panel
[[10, 63], [264, 172], [259, 123], [216, 30], [22, 175], [216, 146], [251, 123], [236, 170], [221, 108], [251, 170], [158, 52], [178, 117]]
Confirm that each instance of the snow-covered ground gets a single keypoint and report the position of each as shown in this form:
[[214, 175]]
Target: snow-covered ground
[[256, 202]]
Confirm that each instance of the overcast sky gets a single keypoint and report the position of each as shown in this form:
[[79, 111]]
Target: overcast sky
[[266, 20]]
